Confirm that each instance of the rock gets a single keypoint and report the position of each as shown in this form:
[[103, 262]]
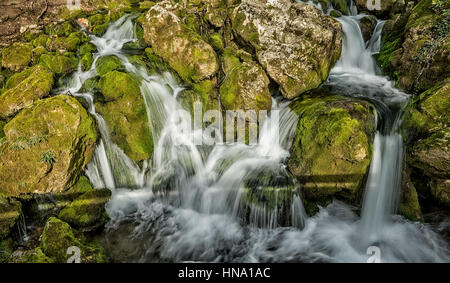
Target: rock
[[335, 14], [29, 256], [99, 30], [125, 114], [24, 88], [341, 6], [216, 12], [17, 56], [182, 48], [246, 86], [58, 236], [106, 64], [302, 57], [58, 64], [63, 44], [427, 132], [7, 247], [332, 149], [86, 61], [416, 47], [10, 211], [46, 147], [87, 211], [83, 22], [367, 25], [409, 206]]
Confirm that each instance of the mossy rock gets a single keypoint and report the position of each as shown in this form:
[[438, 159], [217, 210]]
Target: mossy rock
[[62, 44], [216, 41], [124, 111], [367, 25], [86, 61], [61, 29], [87, 48], [60, 65], [24, 88], [58, 236], [7, 247], [29, 256], [341, 6], [181, 47], [46, 147], [99, 30], [88, 211], [10, 211], [107, 64], [332, 149], [17, 56]]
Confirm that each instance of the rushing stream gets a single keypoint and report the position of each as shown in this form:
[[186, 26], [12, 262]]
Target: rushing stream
[[202, 217]]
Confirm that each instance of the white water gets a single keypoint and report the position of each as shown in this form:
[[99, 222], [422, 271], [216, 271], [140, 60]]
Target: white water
[[186, 205]]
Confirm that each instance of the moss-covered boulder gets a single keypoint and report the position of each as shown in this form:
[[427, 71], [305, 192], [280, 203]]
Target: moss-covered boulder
[[17, 56], [426, 128], [88, 211], [125, 114], [181, 47], [10, 211], [58, 236], [416, 46], [295, 43], [7, 247], [246, 85], [46, 146], [63, 44], [332, 149], [60, 65], [107, 64], [24, 88], [341, 6]]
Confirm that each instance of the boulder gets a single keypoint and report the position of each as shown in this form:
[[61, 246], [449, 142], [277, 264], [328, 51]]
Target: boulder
[[24, 88], [46, 146], [332, 148], [107, 64], [295, 43], [367, 25], [17, 56], [10, 211], [58, 236], [181, 47], [87, 212], [125, 114], [60, 65]]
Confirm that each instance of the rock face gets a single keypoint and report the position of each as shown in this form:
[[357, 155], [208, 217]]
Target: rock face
[[416, 46], [87, 211], [295, 43], [25, 88], [182, 48], [332, 148], [124, 111], [427, 130], [46, 147], [17, 56], [245, 87]]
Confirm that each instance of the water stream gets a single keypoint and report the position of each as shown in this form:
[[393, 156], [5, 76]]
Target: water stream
[[187, 202]]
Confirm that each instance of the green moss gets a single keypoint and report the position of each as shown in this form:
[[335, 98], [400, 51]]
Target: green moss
[[63, 43], [7, 247], [17, 56], [58, 64], [10, 211], [63, 29], [30, 256], [97, 19], [25, 88], [86, 61], [87, 48], [41, 40], [341, 6], [100, 30], [107, 64], [216, 41]]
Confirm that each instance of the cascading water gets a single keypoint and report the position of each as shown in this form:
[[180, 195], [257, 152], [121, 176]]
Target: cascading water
[[202, 216]]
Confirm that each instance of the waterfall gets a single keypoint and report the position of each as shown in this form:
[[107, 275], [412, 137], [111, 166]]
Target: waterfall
[[238, 202]]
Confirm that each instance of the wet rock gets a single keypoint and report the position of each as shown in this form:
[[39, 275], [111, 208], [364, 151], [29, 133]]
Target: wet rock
[[24, 88], [60, 65], [295, 43], [46, 146], [10, 211], [341, 6], [367, 25], [332, 149], [181, 47], [107, 64]]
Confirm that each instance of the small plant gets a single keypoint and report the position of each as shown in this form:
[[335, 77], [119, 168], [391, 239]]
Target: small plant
[[48, 157], [17, 146], [36, 140]]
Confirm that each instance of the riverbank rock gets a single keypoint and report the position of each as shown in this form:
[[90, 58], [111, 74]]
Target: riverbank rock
[[88, 211], [24, 88], [415, 46], [46, 146], [58, 236], [427, 130], [295, 43], [17, 56], [181, 47], [332, 149], [124, 111], [246, 85]]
